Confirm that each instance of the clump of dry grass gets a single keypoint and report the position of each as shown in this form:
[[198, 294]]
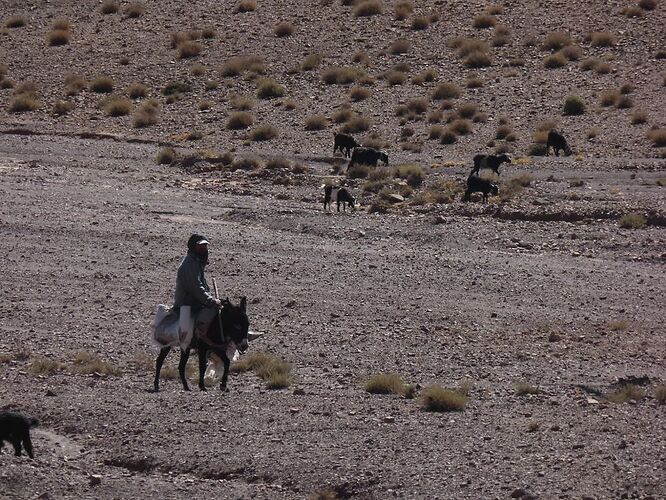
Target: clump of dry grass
[[269, 89], [428, 75], [394, 77], [284, 28], [205, 105], [102, 85], [246, 6], [495, 9], [632, 220], [572, 52], [484, 21], [574, 105], [418, 105], [58, 37], [24, 101], [400, 46], [275, 372], [590, 64], [62, 107], [448, 136], [86, 364], [189, 49], [609, 97], [602, 39], [413, 174], [368, 8], [311, 61], [176, 87], [384, 383], [118, 106], [660, 394], [461, 126], [137, 90], [359, 93], [501, 36], [437, 398], [264, 132], [625, 393], [556, 40], [657, 136], [357, 123], [241, 103], [166, 156], [403, 9], [624, 102], [236, 66], [556, 60], [18, 21], [147, 114], [361, 57], [135, 10], [648, 4], [523, 388], [340, 75], [420, 23], [109, 7], [344, 114], [316, 122], [603, 68], [239, 120], [446, 90], [44, 366]]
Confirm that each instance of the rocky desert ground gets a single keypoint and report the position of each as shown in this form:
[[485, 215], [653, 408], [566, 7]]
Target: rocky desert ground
[[126, 126]]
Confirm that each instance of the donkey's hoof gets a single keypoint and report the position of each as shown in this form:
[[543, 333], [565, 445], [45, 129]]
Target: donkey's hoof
[[224, 388], [202, 388]]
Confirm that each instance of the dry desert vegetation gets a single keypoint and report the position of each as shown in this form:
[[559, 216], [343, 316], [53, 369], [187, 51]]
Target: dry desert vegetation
[[418, 346]]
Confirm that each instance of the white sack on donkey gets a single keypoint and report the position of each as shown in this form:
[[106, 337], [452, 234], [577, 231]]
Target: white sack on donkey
[[171, 328]]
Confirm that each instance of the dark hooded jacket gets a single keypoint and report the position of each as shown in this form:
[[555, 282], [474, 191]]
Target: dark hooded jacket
[[191, 286]]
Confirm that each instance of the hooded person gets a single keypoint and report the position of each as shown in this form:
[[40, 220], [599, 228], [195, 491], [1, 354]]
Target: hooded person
[[192, 288]]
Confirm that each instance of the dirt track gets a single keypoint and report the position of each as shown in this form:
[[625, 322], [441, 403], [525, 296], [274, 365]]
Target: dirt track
[[92, 232]]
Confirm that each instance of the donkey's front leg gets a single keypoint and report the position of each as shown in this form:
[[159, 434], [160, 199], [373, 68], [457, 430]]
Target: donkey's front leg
[[158, 366], [203, 361], [184, 356], [225, 360]]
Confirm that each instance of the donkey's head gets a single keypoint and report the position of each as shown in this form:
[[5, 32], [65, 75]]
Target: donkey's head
[[235, 323]]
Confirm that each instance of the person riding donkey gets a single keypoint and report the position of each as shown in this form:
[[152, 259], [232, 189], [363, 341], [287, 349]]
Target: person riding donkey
[[192, 288]]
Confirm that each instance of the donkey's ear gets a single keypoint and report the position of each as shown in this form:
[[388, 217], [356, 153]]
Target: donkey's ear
[[243, 303]]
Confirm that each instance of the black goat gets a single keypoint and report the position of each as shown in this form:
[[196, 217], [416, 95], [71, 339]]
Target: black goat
[[478, 185], [345, 143], [557, 142], [491, 162], [367, 156], [339, 195], [15, 428]]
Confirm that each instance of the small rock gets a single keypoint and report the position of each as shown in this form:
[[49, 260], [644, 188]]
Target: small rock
[[395, 198], [388, 420], [555, 428], [622, 445], [299, 392], [493, 315], [578, 446], [592, 401], [291, 303], [294, 410], [50, 393], [95, 479], [518, 493]]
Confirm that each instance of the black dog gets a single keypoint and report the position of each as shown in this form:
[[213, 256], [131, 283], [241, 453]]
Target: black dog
[[15, 428]]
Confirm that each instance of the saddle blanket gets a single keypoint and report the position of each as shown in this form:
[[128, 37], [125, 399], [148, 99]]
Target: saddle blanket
[[170, 329]]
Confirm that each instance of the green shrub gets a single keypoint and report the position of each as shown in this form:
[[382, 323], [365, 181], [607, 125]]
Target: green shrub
[[574, 105]]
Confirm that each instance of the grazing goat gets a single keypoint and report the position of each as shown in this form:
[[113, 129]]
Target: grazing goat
[[557, 142], [491, 162], [367, 156], [339, 195], [345, 143], [15, 428], [478, 185]]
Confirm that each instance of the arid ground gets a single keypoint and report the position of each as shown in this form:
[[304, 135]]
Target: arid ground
[[545, 306]]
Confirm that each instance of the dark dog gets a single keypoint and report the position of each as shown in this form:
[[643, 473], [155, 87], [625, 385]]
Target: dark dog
[[491, 162], [479, 185], [345, 143], [15, 428], [557, 142], [339, 195]]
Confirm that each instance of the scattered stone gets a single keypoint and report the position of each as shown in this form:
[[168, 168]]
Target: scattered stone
[[50, 393], [395, 198], [518, 493], [294, 410], [95, 479], [299, 392], [592, 401], [388, 420]]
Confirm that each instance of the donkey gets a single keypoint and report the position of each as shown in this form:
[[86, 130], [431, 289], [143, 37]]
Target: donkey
[[235, 325]]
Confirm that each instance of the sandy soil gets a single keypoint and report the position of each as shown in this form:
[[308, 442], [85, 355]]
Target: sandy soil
[[544, 289]]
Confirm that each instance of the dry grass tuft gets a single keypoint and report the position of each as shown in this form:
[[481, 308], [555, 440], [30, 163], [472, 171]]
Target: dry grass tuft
[[340, 75], [189, 49], [166, 156], [146, 115], [624, 102], [384, 383], [239, 120], [264, 132], [174, 88], [632, 220], [62, 107], [446, 90], [246, 6], [609, 97], [603, 68], [16, 21], [137, 90], [312, 61], [556, 40], [275, 372], [368, 8], [61, 24], [109, 7], [269, 89], [626, 393], [44, 366], [420, 23], [572, 52], [86, 364], [557, 60], [573, 106], [359, 93], [437, 398], [478, 59], [135, 10], [238, 65], [484, 21], [357, 124], [403, 9], [241, 103], [57, 38], [102, 85], [118, 106], [660, 394], [523, 388], [658, 137], [316, 122], [400, 46], [602, 39], [283, 29], [361, 57], [23, 102]]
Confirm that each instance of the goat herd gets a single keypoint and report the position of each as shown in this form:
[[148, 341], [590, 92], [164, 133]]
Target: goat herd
[[348, 146]]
